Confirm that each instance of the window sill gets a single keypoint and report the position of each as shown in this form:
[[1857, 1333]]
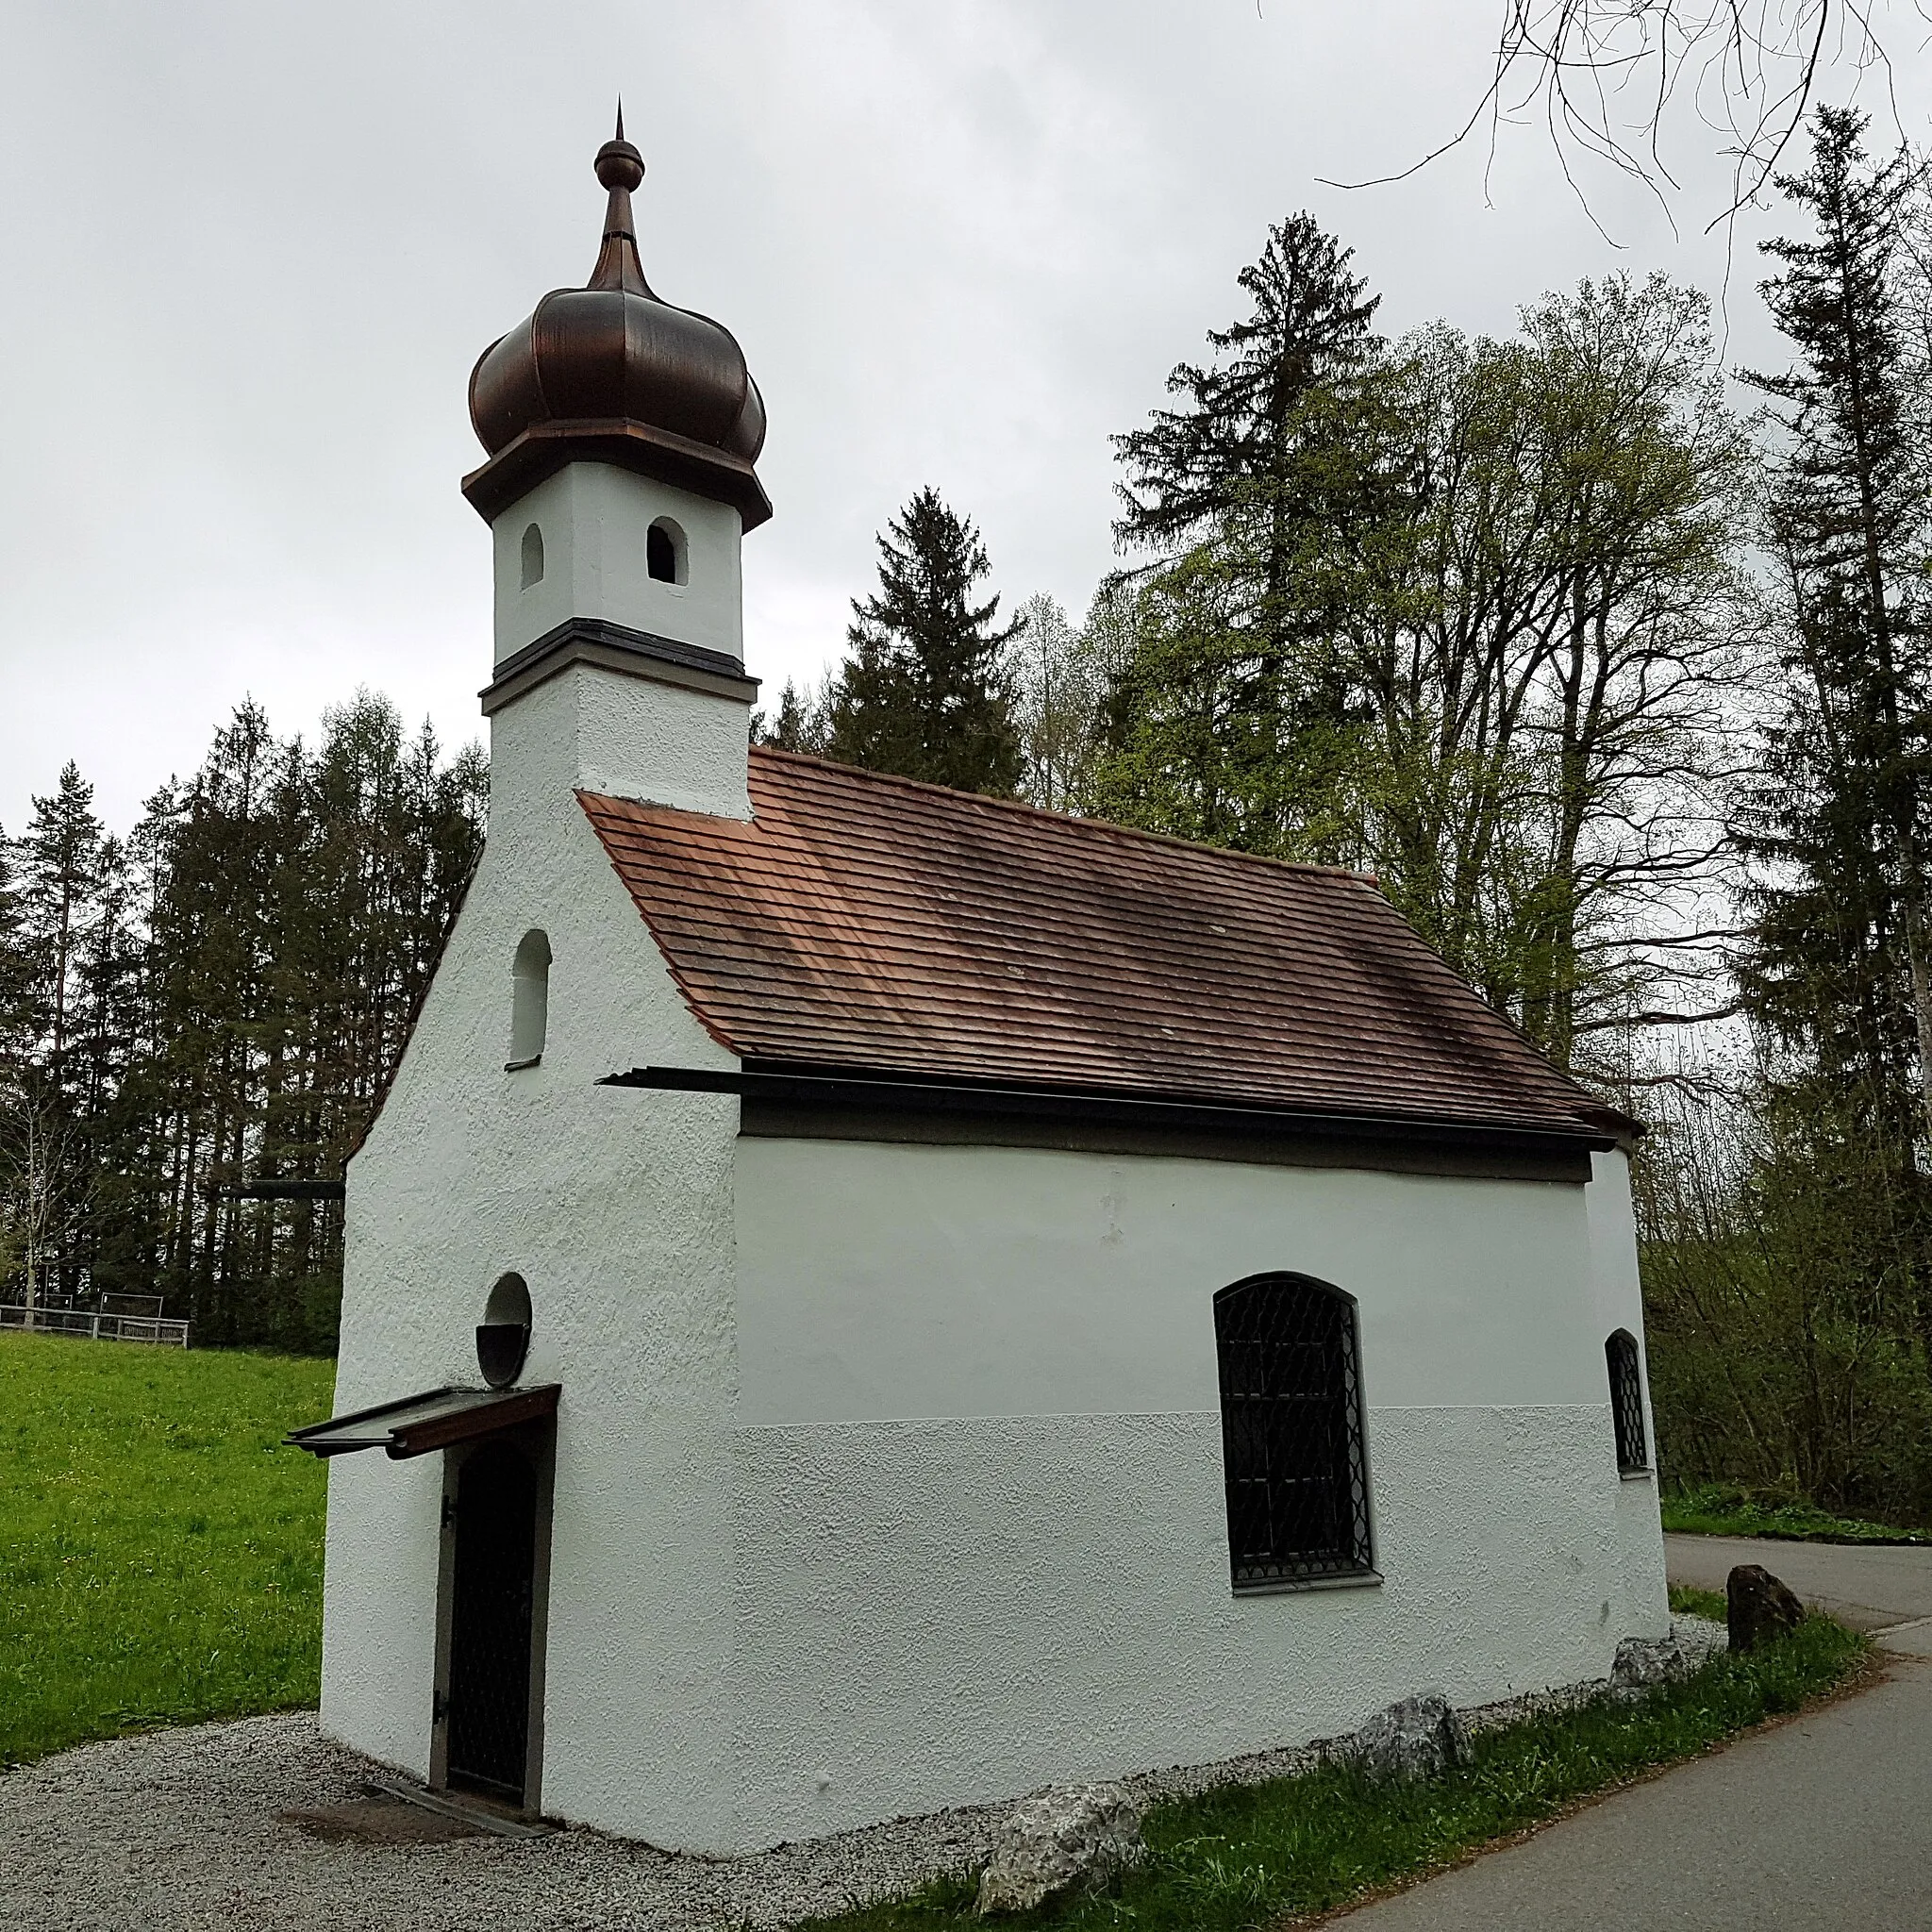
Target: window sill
[[1636, 1476], [1294, 1586], [536, 1059]]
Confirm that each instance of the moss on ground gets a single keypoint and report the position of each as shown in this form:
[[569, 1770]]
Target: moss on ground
[[160, 1553]]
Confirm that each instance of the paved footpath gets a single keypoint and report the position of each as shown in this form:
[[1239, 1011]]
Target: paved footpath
[[1822, 1824], [1869, 1586]]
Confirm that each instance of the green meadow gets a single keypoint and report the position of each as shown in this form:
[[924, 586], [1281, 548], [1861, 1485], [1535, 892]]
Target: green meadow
[[160, 1553]]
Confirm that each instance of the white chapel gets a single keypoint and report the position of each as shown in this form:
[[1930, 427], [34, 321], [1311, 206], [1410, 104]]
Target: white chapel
[[862, 1298]]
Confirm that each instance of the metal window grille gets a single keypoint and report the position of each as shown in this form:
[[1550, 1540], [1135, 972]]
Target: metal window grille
[[1626, 1402], [1291, 1430]]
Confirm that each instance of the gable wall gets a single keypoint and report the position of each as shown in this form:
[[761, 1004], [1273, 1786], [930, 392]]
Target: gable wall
[[981, 1527], [616, 1209]]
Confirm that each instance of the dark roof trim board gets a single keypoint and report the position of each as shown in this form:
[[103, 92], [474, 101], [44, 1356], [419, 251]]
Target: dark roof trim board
[[617, 647], [276, 1189], [851, 1104]]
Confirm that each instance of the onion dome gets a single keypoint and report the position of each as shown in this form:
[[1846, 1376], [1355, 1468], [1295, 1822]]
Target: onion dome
[[612, 373]]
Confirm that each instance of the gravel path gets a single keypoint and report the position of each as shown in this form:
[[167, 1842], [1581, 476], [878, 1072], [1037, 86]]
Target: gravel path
[[185, 1831]]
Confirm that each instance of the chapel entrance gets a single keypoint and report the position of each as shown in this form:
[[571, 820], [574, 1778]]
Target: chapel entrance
[[492, 1615]]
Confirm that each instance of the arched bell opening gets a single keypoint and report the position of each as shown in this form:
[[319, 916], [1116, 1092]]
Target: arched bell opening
[[667, 555]]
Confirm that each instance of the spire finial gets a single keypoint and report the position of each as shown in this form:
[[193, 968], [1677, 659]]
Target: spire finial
[[619, 169]]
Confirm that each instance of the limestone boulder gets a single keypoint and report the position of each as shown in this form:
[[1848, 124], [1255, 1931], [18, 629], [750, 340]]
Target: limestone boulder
[[1762, 1606], [1420, 1737], [1645, 1662], [1067, 1838]]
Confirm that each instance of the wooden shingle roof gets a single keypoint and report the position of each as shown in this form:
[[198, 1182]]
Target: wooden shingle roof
[[865, 922]]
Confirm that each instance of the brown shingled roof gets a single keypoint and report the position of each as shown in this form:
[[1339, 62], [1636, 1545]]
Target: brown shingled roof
[[866, 921]]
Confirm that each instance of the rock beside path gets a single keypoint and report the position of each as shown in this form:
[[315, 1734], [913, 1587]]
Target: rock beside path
[[1068, 1836], [1420, 1737], [1762, 1606], [1645, 1662]]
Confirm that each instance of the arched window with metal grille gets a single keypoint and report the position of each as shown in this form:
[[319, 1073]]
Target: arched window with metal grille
[[1291, 1431], [1626, 1403]]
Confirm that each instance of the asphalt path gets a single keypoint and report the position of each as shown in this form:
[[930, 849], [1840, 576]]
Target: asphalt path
[[1869, 1586], [1819, 1824]]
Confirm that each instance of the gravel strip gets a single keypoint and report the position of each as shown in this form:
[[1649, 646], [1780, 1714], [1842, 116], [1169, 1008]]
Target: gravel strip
[[180, 1831]]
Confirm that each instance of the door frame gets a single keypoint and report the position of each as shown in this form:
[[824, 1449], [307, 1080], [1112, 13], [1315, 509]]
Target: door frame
[[538, 1441]]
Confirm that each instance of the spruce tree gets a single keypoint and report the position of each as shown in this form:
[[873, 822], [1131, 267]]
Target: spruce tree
[[1837, 969], [1237, 449], [16, 963], [923, 690], [802, 721], [60, 860], [1242, 496]]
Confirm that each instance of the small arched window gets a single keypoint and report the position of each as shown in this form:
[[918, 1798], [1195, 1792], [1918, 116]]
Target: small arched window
[[529, 1009], [533, 556], [665, 552], [1626, 1402], [1291, 1431]]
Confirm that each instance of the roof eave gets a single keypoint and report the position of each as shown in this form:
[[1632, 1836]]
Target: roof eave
[[888, 1090]]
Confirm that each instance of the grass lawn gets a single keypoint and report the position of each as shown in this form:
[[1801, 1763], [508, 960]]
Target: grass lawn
[[1689, 1601], [161, 1557], [1721, 1509], [1272, 1853]]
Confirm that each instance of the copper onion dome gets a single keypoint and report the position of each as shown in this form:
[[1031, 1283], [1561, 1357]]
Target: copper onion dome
[[611, 373]]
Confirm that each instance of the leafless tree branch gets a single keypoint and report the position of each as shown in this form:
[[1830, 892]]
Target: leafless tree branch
[[1749, 68]]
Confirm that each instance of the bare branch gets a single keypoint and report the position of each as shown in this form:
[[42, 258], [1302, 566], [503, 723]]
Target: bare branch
[[1753, 69], [1610, 1023]]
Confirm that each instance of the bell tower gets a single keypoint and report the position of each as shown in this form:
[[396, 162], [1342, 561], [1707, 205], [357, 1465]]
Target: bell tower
[[622, 435]]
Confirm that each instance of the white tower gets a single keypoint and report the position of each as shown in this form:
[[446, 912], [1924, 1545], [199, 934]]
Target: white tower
[[622, 435]]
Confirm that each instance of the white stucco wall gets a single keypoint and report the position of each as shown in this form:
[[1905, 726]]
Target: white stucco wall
[[628, 737], [1617, 1300], [594, 517], [980, 1413], [617, 1207]]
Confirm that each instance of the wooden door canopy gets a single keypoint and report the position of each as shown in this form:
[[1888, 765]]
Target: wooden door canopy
[[435, 1419]]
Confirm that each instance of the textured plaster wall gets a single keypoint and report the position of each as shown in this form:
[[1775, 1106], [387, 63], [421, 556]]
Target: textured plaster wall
[[979, 1410], [616, 1207], [594, 517], [1617, 1303], [630, 737]]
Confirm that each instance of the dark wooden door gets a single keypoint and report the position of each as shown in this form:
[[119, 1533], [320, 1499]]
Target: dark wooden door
[[491, 1598]]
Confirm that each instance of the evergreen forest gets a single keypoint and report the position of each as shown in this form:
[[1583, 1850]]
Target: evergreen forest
[[196, 1018], [1607, 660]]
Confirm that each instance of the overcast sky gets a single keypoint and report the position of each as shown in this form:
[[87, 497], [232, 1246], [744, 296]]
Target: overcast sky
[[251, 252]]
